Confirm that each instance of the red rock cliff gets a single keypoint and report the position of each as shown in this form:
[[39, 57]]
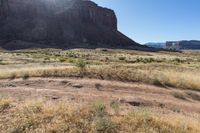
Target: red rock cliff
[[60, 23]]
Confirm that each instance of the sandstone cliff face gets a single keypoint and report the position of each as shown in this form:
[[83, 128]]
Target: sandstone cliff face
[[59, 23]]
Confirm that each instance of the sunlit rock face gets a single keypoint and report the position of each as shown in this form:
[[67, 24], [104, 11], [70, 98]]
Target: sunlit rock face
[[60, 24]]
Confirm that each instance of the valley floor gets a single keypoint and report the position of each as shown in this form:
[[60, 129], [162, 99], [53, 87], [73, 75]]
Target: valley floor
[[45, 104], [99, 91], [82, 90]]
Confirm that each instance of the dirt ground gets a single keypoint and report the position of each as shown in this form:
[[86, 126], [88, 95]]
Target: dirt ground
[[91, 90]]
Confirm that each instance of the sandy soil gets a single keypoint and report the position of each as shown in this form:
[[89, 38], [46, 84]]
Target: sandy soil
[[91, 90]]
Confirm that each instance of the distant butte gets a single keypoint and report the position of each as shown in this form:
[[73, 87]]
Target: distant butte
[[59, 24]]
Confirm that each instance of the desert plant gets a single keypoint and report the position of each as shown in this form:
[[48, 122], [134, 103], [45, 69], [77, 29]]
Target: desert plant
[[105, 125], [193, 95], [5, 103], [100, 108], [25, 76], [98, 86], [82, 66], [177, 60], [178, 95], [103, 121], [62, 59], [12, 76], [115, 106], [122, 58]]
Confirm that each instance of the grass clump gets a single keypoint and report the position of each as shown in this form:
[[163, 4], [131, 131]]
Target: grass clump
[[115, 106], [50, 117], [81, 64], [179, 95], [166, 69], [100, 108], [5, 103], [141, 120], [193, 95], [25, 76], [62, 59], [103, 121], [122, 58]]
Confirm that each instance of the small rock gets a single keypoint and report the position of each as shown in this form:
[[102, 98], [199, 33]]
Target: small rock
[[133, 102], [64, 82], [55, 97], [72, 99], [98, 87], [77, 86], [162, 105]]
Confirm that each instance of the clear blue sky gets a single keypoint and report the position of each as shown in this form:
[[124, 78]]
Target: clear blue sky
[[157, 20]]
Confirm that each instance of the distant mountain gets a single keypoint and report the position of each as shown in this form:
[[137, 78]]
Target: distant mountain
[[60, 24], [193, 44], [155, 45], [178, 45]]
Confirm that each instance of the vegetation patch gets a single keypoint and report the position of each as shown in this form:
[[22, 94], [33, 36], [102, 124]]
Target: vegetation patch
[[178, 95], [193, 95], [46, 116], [166, 69]]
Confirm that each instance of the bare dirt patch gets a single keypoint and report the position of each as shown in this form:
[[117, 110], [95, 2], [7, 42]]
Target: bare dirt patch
[[91, 90]]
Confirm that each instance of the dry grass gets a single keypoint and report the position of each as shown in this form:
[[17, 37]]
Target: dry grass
[[5, 103], [167, 69], [179, 95], [193, 95], [48, 117], [160, 75], [141, 121]]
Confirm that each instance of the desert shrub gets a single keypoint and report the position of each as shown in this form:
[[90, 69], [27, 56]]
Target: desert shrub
[[122, 58], [115, 106], [103, 121], [25, 76], [71, 54], [193, 95], [82, 66], [139, 59], [158, 82], [107, 59], [104, 50], [145, 60], [5, 103], [13, 76], [100, 108], [47, 58], [105, 125], [62, 59], [177, 60], [178, 95], [98, 86]]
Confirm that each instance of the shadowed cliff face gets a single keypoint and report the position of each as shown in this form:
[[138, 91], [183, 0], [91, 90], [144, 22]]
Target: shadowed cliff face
[[60, 24]]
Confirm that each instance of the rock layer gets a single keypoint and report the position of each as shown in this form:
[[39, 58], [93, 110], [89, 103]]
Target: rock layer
[[60, 24]]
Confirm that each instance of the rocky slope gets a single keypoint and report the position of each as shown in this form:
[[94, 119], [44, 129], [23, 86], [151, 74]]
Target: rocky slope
[[60, 24]]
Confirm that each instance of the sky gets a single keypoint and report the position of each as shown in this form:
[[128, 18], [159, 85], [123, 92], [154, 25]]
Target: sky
[[157, 20]]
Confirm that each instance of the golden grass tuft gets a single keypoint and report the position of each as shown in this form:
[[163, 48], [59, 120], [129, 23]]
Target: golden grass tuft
[[160, 75], [50, 117], [141, 121], [5, 103]]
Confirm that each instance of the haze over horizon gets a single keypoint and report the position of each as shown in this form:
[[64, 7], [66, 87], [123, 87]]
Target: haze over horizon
[[156, 20]]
